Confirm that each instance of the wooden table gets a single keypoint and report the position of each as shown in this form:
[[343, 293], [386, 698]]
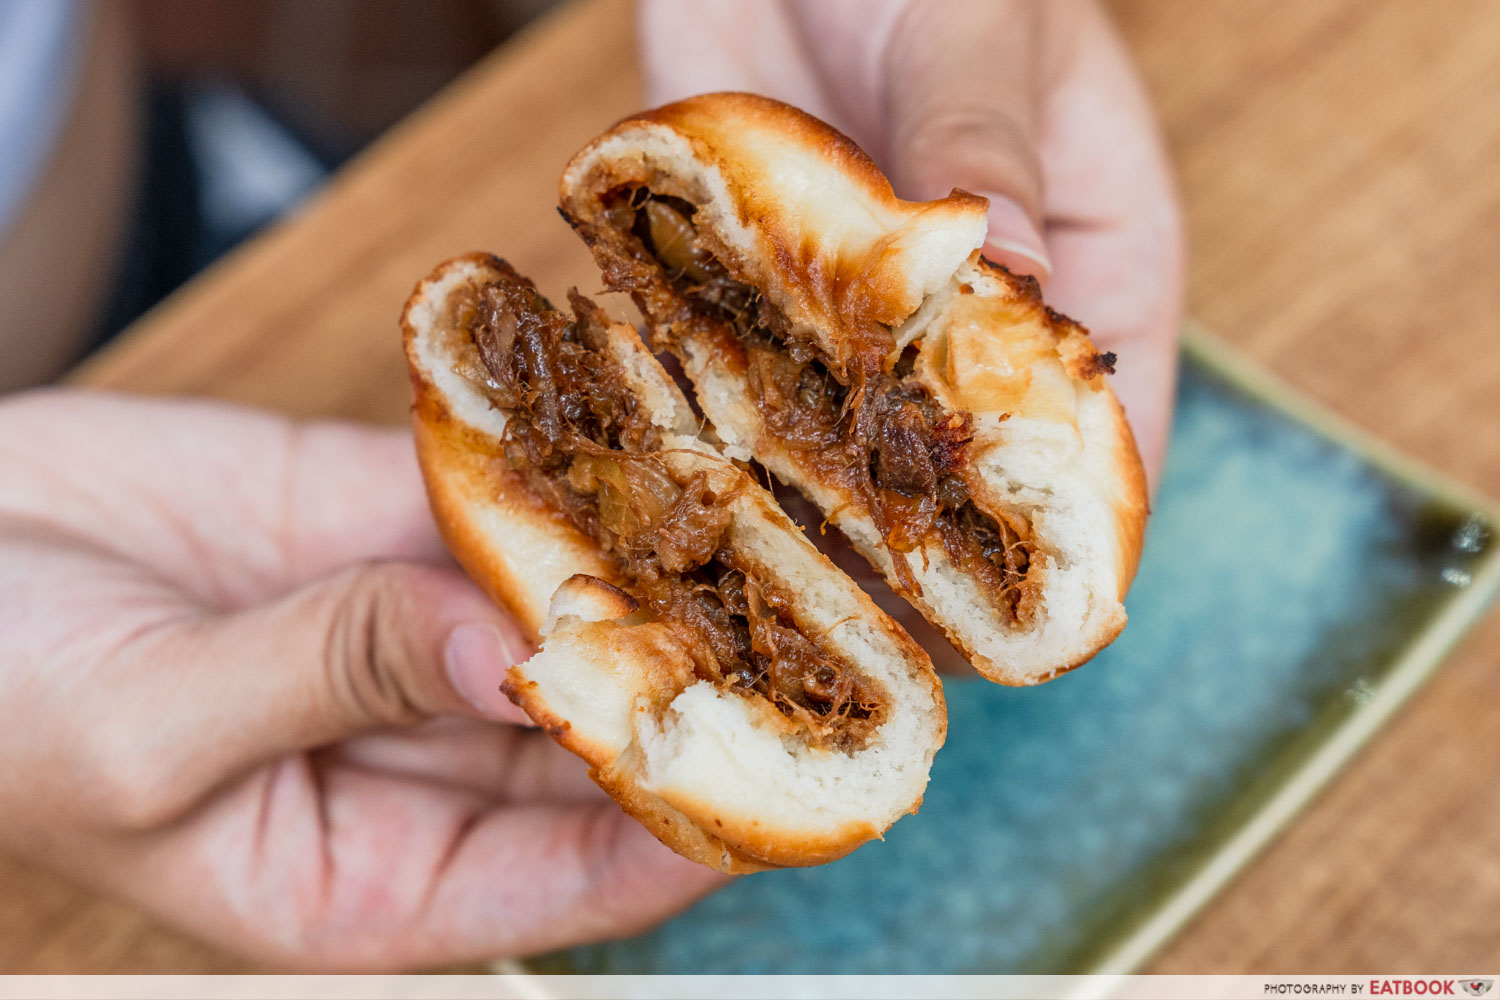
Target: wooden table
[[1337, 158]]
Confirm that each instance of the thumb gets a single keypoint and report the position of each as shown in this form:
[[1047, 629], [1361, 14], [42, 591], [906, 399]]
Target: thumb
[[373, 645], [964, 101]]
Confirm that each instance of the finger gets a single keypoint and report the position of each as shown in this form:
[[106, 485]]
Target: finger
[[233, 505], [374, 646], [1114, 226], [1133, 309], [351, 493], [961, 115], [964, 95], [533, 879], [454, 880], [693, 47], [506, 764], [1040, 105], [340, 869]]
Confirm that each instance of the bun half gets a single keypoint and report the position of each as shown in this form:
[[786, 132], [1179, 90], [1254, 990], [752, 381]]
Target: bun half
[[727, 772], [838, 334]]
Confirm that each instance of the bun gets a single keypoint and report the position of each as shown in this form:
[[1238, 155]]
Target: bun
[[773, 258], [734, 779]]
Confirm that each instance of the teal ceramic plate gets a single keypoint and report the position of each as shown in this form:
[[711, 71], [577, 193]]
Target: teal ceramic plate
[[1299, 581]]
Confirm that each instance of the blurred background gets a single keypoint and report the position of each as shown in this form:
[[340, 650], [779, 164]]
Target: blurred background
[[203, 121]]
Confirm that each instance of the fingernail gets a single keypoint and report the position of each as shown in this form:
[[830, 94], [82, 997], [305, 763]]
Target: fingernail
[[476, 658], [1013, 239]]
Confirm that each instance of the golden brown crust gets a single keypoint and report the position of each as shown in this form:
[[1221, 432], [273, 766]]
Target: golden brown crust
[[771, 847], [681, 833], [667, 824], [591, 599], [718, 123], [1132, 501], [1019, 328], [841, 246]]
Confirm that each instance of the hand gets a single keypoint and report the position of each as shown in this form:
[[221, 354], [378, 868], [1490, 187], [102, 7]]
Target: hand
[[1031, 103], [242, 686]]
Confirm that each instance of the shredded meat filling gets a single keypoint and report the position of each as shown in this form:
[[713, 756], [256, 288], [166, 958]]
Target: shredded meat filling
[[576, 435], [877, 433]]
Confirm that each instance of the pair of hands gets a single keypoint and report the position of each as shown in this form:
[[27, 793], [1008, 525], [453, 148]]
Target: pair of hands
[[243, 685]]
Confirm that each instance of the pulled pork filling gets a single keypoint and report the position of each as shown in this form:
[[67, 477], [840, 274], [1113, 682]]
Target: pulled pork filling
[[877, 434], [578, 438]]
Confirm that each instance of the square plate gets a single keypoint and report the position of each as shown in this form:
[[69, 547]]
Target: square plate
[[1300, 579]]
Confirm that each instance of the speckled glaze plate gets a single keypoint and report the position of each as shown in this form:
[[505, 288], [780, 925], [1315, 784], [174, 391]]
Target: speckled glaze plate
[[1299, 581]]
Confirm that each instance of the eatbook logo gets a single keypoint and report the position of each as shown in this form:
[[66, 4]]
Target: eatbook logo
[[1477, 987]]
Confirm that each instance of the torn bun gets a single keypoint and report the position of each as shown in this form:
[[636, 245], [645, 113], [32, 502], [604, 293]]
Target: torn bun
[[731, 688], [962, 435]]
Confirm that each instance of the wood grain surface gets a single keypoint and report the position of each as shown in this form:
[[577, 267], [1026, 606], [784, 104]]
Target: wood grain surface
[[1336, 160]]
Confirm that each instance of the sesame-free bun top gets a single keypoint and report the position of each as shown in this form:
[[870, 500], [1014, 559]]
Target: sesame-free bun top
[[800, 210]]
